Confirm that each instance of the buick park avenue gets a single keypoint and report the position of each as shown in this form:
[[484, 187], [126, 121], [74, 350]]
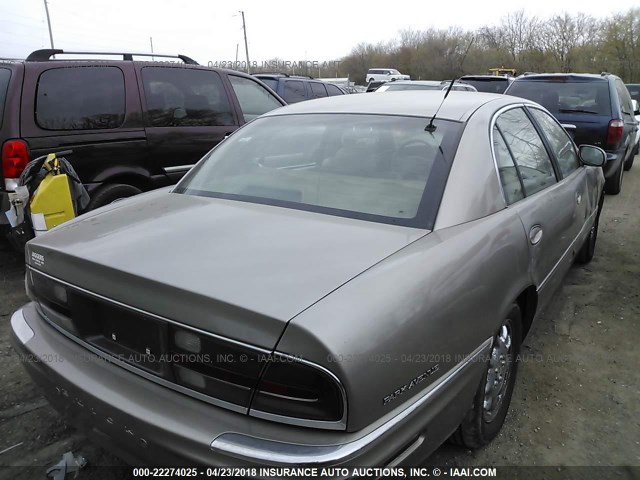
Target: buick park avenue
[[344, 281]]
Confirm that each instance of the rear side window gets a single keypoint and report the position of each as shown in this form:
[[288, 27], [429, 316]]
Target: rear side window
[[80, 98], [528, 151], [634, 91], [557, 96], [333, 90], [5, 75], [180, 97], [272, 83], [509, 176], [317, 90], [293, 91], [625, 98], [254, 99]]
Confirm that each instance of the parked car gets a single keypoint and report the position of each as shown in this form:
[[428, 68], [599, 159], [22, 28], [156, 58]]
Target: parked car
[[351, 274], [424, 85], [132, 126], [488, 83], [385, 75], [634, 91], [295, 88], [596, 109]]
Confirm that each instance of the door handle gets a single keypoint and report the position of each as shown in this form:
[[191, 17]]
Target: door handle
[[535, 234]]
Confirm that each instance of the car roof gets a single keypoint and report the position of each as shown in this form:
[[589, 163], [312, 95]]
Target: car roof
[[458, 106], [415, 82], [580, 77]]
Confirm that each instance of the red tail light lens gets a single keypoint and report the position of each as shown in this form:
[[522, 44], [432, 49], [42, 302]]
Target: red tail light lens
[[15, 156], [614, 134]]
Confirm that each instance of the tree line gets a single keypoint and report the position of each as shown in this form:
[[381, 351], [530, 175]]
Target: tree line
[[562, 43]]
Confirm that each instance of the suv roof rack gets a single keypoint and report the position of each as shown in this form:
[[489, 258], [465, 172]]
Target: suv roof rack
[[45, 54]]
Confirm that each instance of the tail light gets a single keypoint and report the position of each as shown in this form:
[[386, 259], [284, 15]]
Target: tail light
[[293, 389], [15, 156], [614, 133]]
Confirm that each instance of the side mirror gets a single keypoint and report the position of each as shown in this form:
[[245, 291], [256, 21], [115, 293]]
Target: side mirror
[[592, 156], [636, 107]]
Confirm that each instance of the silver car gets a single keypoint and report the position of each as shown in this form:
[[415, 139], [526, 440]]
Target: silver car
[[344, 281]]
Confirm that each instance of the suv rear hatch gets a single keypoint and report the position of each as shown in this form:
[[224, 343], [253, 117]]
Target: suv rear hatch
[[581, 104], [487, 83]]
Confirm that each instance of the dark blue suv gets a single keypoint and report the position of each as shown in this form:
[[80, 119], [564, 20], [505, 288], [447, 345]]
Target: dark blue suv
[[594, 109]]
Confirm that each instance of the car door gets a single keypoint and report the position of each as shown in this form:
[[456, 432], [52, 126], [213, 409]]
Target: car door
[[544, 205], [571, 170], [187, 113]]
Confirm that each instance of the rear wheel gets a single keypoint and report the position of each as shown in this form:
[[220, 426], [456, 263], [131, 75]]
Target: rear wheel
[[629, 163], [613, 185], [491, 402], [370, 80], [110, 193]]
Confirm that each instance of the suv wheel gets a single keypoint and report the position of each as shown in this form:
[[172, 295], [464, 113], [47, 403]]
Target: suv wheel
[[613, 185], [111, 193], [370, 80], [629, 163]]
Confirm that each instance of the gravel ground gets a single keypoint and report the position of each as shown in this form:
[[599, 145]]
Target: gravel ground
[[576, 398]]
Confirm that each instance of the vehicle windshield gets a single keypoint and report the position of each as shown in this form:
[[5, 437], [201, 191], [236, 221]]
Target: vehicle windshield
[[566, 97], [5, 75], [374, 167], [408, 86], [489, 84]]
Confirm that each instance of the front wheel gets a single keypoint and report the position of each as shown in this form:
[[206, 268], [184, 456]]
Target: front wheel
[[491, 402]]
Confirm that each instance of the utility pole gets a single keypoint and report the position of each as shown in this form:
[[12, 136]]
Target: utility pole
[[46, 9], [235, 65], [246, 44], [151, 42]]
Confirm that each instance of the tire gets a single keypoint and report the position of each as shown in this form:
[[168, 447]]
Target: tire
[[111, 192], [629, 163], [370, 80], [613, 185], [480, 425], [589, 247]]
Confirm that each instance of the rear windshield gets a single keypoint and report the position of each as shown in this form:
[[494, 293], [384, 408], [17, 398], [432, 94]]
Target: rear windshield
[[380, 168], [5, 75], [566, 97], [488, 84]]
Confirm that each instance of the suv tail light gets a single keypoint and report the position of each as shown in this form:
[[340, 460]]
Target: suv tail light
[[614, 133], [15, 156]]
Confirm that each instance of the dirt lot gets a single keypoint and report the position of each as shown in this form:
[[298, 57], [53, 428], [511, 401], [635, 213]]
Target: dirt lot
[[575, 403]]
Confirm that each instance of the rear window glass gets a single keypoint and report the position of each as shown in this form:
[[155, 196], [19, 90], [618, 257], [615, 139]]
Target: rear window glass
[[566, 97], [488, 85], [80, 98], [5, 75], [374, 167]]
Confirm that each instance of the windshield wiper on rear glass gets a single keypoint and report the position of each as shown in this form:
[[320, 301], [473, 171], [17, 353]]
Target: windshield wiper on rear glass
[[576, 110]]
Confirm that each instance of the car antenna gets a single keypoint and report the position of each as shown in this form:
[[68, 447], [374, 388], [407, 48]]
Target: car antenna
[[431, 127]]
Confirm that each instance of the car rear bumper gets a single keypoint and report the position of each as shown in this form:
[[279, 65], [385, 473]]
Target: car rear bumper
[[145, 423]]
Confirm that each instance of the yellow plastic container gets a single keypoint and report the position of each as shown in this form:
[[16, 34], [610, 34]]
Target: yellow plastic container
[[51, 203]]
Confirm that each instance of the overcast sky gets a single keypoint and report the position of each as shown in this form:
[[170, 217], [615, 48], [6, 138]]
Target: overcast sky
[[207, 30]]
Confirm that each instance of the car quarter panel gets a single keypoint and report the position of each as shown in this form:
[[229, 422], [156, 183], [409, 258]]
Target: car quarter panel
[[414, 315], [473, 188]]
